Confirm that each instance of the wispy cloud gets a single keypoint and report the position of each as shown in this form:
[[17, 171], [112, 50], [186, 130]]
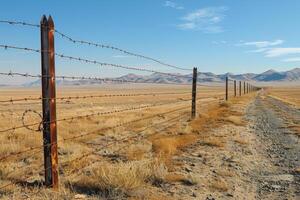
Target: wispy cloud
[[296, 59], [262, 44], [205, 19], [174, 5], [277, 52]]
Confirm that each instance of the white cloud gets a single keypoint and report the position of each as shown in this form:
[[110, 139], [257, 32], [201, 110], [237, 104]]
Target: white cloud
[[296, 59], [174, 5], [262, 44], [205, 19], [276, 52]]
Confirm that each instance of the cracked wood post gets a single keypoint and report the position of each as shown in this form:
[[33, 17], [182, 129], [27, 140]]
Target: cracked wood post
[[240, 88], [49, 102], [194, 92], [234, 87], [226, 88]]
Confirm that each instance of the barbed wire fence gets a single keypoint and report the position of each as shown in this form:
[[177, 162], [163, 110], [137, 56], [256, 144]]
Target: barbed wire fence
[[47, 122]]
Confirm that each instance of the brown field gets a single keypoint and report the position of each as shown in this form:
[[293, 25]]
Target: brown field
[[149, 146], [289, 94], [133, 161]]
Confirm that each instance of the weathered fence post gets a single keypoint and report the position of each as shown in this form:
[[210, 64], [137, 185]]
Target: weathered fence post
[[247, 88], [194, 92], [49, 102], [240, 88], [226, 88], [234, 84], [244, 87]]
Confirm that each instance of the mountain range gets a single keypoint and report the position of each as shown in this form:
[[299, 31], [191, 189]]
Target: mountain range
[[268, 76], [204, 77]]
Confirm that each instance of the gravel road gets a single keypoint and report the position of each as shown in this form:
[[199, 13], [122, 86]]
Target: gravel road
[[280, 146]]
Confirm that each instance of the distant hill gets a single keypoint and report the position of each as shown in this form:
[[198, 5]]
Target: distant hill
[[204, 77], [268, 76]]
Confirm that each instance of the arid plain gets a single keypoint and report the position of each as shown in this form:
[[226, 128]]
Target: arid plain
[[137, 141]]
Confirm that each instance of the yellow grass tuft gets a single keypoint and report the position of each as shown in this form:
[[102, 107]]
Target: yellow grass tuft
[[124, 176]]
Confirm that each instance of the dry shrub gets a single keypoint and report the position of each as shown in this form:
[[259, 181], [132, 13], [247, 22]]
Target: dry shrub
[[235, 120], [167, 146], [124, 176]]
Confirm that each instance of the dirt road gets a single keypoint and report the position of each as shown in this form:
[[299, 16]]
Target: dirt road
[[279, 145], [256, 160]]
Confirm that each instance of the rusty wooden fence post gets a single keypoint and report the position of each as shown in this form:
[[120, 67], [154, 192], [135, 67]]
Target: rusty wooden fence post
[[226, 88], [234, 85], [49, 102], [240, 88], [194, 92]]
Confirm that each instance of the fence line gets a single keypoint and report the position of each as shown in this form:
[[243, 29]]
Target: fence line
[[48, 99]]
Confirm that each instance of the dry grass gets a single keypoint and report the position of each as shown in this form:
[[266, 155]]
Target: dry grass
[[241, 141], [225, 172], [219, 185], [290, 95], [214, 142], [123, 176], [236, 120], [139, 164], [167, 145]]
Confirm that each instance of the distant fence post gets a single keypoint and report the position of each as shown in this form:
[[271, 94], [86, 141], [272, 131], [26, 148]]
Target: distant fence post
[[49, 102], [194, 92], [234, 84], [226, 88], [240, 88], [247, 88], [244, 87]]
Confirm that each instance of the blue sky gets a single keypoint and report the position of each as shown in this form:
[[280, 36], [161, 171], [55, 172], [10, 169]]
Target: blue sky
[[214, 35]]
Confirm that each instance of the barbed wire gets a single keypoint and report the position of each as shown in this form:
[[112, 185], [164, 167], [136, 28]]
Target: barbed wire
[[28, 127], [68, 38], [95, 62], [4, 157], [11, 100], [113, 143], [19, 23], [93, 114], [118, 141]]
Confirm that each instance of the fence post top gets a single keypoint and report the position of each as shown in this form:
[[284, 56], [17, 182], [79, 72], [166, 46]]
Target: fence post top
[[50, 22], [44, 20]]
